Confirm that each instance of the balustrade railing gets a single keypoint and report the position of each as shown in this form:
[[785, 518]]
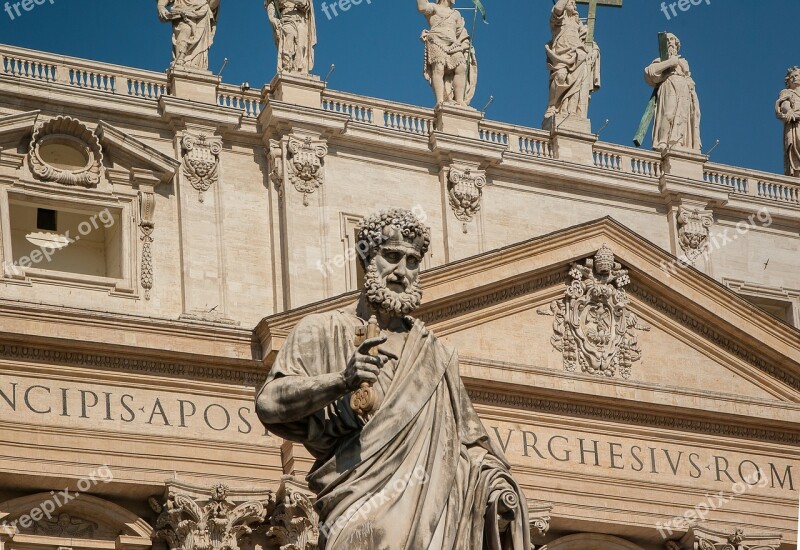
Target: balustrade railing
[[772, 187], [627, 160], [249, 102], [80, 73]]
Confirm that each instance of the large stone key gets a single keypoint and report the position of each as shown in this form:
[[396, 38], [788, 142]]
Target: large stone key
[[364, 400]]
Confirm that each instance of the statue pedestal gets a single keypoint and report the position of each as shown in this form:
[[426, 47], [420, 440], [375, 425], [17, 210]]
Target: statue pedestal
[[194, 85], [684, 163], [297, 89], [573, 140], [458, 121]]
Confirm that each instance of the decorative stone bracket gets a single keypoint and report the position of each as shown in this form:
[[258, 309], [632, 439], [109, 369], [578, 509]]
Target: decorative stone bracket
[[218, 518], [693, 231], [704, 538], [298, 159], [201, 160], [593, 327], [465, 190]]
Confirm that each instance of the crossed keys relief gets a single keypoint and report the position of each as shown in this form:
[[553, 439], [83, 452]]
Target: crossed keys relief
[[593, 327]]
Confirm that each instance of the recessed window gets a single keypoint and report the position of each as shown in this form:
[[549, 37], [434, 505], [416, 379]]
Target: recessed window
[[781, 309], [46, 219], [67, 239]]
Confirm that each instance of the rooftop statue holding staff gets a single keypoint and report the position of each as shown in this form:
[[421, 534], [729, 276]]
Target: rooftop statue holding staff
[[194, 24], [573, 62], [677, 111], [411, 466], [294, 29], [450, 63], [788, 110]]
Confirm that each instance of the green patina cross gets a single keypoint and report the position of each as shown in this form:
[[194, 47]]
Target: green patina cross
[[593, 13]]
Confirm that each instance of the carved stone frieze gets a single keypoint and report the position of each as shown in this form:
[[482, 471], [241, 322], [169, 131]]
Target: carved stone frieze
[[704, 538], [465, 190], [693, 231], [191, 522], [305, 164], [201, 161], [63, 150], [593, 327], [66, 526]]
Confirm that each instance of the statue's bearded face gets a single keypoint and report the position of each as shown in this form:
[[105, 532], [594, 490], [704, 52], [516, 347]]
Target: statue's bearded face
[[674, 46], [447, 3], [794, 80], [392, 278], [572, 7]]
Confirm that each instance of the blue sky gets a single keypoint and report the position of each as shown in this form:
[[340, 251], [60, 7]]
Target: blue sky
[[739, 51]]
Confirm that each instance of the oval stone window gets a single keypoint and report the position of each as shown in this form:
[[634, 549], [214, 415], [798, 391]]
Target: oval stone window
[[64, 154]]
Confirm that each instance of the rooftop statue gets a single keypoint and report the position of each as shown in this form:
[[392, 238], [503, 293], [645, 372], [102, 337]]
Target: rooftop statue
[[677, 113], [403, 461], [294, 29], [194, 24], [450, 63], [788, 110]]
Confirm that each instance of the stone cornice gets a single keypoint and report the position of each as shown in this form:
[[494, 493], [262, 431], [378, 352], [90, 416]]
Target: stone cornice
[[179, 111], [151, 158]]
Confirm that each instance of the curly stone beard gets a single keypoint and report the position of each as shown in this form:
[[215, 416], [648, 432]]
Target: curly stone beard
[[383, 298]]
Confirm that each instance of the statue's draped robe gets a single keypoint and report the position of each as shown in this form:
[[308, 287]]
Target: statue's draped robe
[[574, 69], [198, 27], [791, 130], [444, 43], [297, 36], [677, 117], [422, 473]]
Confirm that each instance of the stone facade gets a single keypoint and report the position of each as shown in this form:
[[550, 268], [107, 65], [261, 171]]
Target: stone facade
[[202, 208]]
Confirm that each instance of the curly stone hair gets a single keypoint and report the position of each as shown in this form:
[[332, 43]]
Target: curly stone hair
[[371, 236], [790, 73]]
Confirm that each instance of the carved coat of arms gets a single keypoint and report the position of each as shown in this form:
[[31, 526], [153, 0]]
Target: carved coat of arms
[[465, 190], [306, 164], [693, 231], [201, 161], [593, 327]]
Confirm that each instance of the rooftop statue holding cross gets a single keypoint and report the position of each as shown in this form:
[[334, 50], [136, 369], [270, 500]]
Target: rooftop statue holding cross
[[573, 59]]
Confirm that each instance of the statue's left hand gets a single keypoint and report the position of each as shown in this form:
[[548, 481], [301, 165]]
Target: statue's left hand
[[163, 13]]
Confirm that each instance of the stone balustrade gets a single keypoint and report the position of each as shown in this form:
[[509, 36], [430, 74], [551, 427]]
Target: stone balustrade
[[114, 80]]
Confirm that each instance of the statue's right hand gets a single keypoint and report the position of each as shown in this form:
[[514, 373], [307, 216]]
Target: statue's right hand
[[362, 366], [163, 13]]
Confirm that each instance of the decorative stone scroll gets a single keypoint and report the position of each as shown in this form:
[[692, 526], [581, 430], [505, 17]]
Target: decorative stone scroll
[[593, 327], [196, 518], [63, 150], [465, 190], [201, 161], [539, 517], [704, 538], [305, 164], [693, 231]]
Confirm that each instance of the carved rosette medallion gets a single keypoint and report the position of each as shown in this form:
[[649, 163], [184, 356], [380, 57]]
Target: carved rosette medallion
[[593, 327], [201, 161], [65, 151], [306, 164], [693, 231], [465, 190]]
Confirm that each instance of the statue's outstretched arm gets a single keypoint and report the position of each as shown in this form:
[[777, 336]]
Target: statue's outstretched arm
[[560, 6], [424, 7]]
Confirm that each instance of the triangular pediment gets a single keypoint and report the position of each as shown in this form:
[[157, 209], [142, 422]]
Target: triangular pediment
[[122, 151], [705, 352]]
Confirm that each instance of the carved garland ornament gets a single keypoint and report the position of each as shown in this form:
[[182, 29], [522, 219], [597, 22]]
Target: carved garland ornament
[[593, 326], [201, 161], [465, 189], [65, 151], [147, 203], [693, 231], [306, 164]]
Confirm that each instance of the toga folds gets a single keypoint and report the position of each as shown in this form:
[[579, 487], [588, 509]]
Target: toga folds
[[677, 117], [574, 69], [422, 473], [791, 130]]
